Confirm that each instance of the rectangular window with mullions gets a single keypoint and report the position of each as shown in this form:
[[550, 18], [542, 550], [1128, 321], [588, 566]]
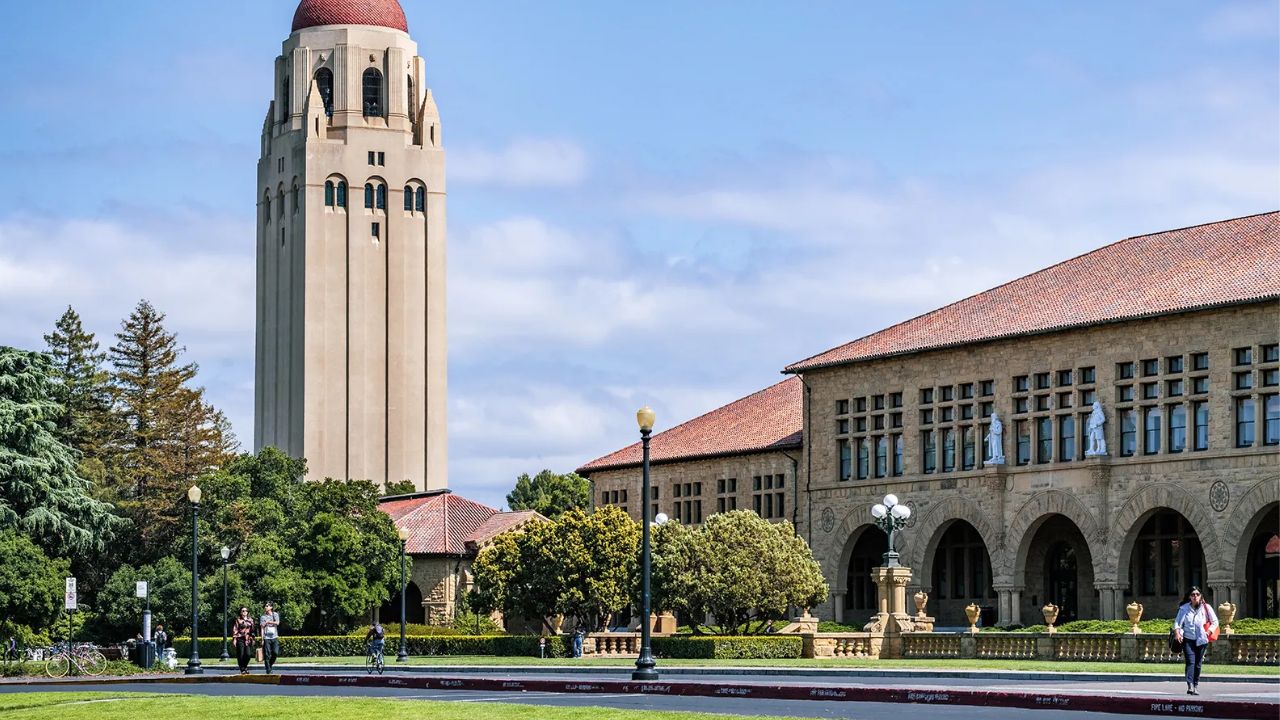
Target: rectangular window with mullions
[[1271, 420], [1044, 440], [1023, 433], [1200, 429], [1151, 428], [1128, 432], [1177, 428], [1066, 438], [1244, 422]]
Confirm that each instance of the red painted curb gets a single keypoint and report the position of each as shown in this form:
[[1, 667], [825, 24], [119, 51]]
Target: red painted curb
[[1131, 705]]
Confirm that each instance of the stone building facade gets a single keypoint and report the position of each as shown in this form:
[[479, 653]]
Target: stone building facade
[[351, 343], [1176, 335]]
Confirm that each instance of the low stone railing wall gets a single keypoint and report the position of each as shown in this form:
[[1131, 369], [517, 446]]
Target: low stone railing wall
[[1082, 647], [840, 645], [611, 644]]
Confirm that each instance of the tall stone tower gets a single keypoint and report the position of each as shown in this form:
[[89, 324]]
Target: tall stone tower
[[351, 343]]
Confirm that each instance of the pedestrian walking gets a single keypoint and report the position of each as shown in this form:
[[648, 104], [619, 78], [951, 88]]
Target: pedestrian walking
[[242, 635], [578, 635], [270, 624], [1195, 625], [160, 637]]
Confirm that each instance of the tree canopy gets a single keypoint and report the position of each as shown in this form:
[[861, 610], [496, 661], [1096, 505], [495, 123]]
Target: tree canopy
[[31, 585], [578, 565], [549, 493], [738, 567], [41, 494]]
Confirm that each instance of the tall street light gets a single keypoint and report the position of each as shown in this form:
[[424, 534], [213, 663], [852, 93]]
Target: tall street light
[[226, 553], [403, 655], [645, 665], [193, 663], [890, 517]]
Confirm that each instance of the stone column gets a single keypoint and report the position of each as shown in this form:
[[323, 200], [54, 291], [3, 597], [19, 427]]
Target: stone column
[[1015, 611], [837, 606], [1004, 604], [1110, 601], [893, 618]]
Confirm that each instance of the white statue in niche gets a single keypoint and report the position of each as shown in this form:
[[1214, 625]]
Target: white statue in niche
[[1097, 440], [995, 441]]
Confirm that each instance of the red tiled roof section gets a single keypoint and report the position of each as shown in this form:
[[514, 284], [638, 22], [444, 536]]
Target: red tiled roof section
[[767, 420], [438, 524], [1222, 263], [380, 13], [500, 523]]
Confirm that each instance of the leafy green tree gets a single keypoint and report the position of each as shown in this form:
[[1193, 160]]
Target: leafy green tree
[[31, 585], [579, 565], [83, 388], [41, 494], [738, 567], [170, 434], [550, 494], [169, 585], [399, 487]]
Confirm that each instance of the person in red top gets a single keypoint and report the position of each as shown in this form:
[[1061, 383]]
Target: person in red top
[[242, 635]]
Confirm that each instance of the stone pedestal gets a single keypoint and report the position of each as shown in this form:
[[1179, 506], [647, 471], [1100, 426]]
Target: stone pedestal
[[893, 617], [662, 624]]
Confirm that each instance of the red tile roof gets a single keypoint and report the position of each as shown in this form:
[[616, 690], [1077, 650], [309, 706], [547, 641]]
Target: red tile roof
[[1218, 264], [439, 523], [499, 523], [767, 420], [381, 13]]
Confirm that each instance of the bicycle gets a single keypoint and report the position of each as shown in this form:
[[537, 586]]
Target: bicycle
[[373, 661], [84, 658]]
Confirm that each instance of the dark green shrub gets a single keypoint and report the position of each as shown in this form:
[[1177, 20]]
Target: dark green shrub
[[354, 646], [716, 647], [1257, 626]]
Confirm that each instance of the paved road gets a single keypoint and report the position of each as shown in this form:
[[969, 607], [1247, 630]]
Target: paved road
[[731, 706], [1173, 689]]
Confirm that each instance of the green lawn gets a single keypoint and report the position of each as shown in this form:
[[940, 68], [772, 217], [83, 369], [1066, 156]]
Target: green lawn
[[1041, 665], [130, 706]]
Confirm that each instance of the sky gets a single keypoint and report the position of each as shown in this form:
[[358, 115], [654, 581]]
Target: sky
[[656, 203]]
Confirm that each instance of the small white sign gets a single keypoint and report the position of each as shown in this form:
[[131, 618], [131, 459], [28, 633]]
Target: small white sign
[[142, 588], [69, 597]]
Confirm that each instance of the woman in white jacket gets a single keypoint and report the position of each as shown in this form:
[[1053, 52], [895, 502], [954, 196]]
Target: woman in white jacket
[[1193, 625]]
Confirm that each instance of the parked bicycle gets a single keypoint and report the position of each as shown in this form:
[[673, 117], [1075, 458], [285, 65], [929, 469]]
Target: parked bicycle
[[84, 659], [373, 661]]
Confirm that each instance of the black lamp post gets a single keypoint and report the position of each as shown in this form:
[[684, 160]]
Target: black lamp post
[[193, 663], [645, 664], [890, 516], [403, 655], [226, 554]]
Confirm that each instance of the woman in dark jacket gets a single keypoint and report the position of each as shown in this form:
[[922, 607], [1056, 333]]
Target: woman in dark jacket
[[242, 636]]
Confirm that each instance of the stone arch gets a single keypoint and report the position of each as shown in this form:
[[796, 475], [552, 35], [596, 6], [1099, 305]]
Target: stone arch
[[1039, 508], [922, 540], [1140, 505], [1250, 509], [415, 610], [852, 536]]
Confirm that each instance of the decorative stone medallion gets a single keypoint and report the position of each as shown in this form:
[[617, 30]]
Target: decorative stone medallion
[[828, 519], [911, 521], [1219, 496]]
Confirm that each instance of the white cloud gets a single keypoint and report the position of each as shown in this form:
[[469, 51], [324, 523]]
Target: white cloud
[[524, 162]]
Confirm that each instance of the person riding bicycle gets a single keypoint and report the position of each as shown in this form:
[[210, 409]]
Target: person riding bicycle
[[377, 639]]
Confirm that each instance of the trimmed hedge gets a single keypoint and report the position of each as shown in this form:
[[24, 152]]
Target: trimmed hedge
[[718, 647], [354, 646]]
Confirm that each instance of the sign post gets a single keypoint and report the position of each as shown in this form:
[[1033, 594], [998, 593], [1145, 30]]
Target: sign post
[[69, 604]]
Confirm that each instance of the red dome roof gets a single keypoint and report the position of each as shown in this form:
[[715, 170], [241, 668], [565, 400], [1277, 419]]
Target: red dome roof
[[383, 13]]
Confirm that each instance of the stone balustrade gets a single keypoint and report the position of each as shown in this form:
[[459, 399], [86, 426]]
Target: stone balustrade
[[1093, 647], [611, 644], [931, 645], [1252, 649], [840, 645], [1005, 646]]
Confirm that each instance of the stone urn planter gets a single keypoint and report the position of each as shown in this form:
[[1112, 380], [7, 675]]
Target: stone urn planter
[[973, 612], [1050, 613], [921, 598], [1134, 609], [1226, 614]]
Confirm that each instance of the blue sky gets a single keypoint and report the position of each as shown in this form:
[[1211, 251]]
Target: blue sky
[[655, 203]]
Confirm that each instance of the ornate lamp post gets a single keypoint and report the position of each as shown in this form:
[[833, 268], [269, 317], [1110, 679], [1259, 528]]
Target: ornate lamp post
[[890, 517], [193, 663], [645, 664], [226, 554], [403, 655]]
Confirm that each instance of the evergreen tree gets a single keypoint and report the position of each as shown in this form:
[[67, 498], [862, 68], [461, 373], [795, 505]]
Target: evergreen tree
[[41, 495], [83, 388], [549, 493], [170, 435]]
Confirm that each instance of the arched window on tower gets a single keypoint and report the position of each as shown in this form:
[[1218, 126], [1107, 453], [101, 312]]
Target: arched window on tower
[[324, 83], [286, 101], [297, 199], [280, 200], [342, 193], [421, 205], [382, 196], [266, 207], [372, 93], [410, 99], [328, 193], [408, 198], [368, 196]]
